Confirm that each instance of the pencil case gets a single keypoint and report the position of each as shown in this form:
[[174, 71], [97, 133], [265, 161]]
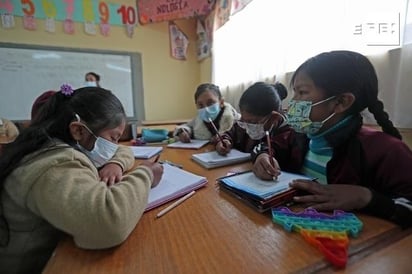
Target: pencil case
[[154, 135]]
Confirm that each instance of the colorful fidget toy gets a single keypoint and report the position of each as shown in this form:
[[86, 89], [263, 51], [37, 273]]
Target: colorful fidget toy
[[327, 232]]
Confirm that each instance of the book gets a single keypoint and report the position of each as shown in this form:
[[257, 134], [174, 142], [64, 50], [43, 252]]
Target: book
[[175, 183], [258, 193], [212, 159], [194, 144], [145, 152]]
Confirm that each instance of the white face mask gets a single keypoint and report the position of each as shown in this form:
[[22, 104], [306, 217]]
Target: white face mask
[[91, 84], [255, 131], [102, 151]]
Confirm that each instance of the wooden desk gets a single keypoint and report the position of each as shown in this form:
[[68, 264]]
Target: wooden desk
[[213, 232]]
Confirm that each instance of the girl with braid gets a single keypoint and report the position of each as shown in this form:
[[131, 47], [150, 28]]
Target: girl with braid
[[358, 168]]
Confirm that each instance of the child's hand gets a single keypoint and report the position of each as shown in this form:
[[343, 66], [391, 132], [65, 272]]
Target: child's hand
[[263, 169], [157, 170], [330, 197], [184, 137], [224, 147], [111, 173]]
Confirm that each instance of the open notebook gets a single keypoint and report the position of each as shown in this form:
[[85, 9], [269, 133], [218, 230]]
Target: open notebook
[[175, 183], [145, 152], [259, 193], [212, 159], [194, 144]]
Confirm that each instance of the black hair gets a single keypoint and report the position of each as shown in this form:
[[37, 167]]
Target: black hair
[[338, 72], [95, 75], [98, 110], [260, 99], [207, 87], [281, 90]]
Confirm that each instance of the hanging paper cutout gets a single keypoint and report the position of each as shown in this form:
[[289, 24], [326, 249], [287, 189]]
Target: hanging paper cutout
[[130, 30], [50, 25], [238, 5], [7, 21], [90, 28], [222, 14], [178, 42], [151, 11], [104, 29], [29, 23], [68, 26], [203, 47]]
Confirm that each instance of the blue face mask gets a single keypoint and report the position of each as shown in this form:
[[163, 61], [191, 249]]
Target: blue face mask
[[103, 150], [298, 116], [209, 112], [91, 84]]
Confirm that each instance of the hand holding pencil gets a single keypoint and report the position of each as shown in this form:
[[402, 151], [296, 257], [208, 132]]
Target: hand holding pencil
[[157, 169], [223, 146]]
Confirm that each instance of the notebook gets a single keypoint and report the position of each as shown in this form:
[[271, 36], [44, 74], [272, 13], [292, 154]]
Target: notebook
[[175, 183], [194, 144], [261, 194], [212, 159], [145, 152]]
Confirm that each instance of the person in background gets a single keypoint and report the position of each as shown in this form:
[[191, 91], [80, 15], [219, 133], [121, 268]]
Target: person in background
[[8, 132], [50, 184], [210, 106], [357, 168], [261, 111], [92, 79], [39, 102]]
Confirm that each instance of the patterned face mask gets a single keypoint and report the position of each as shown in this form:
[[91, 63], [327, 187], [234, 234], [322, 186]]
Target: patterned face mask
[[211, 112], [298, 116]]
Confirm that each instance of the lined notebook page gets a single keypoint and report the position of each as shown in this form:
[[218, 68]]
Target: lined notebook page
[[194, 144], [213, 159], [145, 152], [175, 183]]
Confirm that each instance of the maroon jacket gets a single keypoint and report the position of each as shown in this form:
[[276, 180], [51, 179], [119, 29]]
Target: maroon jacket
[[361, 156]]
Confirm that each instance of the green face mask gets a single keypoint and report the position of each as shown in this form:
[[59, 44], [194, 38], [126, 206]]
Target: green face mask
[[298, 116]]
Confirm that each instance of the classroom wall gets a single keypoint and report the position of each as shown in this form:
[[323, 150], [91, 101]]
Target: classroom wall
[[168, 84]]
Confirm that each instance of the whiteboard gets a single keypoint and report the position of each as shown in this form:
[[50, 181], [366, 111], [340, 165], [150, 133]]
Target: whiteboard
[[28, 71]]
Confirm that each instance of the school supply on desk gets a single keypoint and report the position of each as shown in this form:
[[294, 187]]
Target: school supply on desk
[[175, 204], [194, 144], [213, 159], [150, 135], [329, 233], [145, 152], [174, 184], [260, 194]]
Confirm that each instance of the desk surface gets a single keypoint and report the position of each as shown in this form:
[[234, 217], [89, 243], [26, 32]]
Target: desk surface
[[213, 232]]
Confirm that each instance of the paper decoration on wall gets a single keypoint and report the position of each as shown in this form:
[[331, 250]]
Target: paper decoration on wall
[[151, 11], [96, 11], [222, 15], [29, 23], [7, 21], [50, 25], [238, 5], [90, 28], [130, 30], [329, 233], [104, 29], [68, 26], [203, 47], [178, 42]]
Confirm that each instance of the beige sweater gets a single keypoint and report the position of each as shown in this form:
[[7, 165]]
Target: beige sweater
[[198, 130], [58, 190]]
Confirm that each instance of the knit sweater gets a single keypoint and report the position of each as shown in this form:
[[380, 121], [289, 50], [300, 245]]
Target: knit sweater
[[198, 129], [57, 190]]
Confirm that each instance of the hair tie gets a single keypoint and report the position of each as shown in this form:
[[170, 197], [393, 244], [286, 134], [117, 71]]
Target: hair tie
[[66, 89]]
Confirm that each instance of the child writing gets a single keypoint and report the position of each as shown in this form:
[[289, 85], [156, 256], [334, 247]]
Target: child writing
[[261, 111], [50, 184], [210, 107], [357, 168]]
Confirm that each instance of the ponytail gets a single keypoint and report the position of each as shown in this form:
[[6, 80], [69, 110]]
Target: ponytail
[[382, 118]]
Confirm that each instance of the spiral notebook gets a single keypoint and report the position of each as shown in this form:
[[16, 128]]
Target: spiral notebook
[[212, 159], [175, 183], [145, 152]]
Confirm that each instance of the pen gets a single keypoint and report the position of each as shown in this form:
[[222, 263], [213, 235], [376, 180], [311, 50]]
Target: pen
[[270, 149], [217, 132], [175, 204]]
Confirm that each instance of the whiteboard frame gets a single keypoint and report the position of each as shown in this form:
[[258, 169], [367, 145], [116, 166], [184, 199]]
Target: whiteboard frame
[[136, 71]]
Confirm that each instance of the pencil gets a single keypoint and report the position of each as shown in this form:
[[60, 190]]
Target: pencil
[[270, 149], [175, 204], [157, 158], [217, 132]]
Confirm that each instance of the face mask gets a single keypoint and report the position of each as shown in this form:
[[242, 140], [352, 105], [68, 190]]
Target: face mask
[[102, 151], [255, 131], [298, 116], [91, 84], [209, 112]]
